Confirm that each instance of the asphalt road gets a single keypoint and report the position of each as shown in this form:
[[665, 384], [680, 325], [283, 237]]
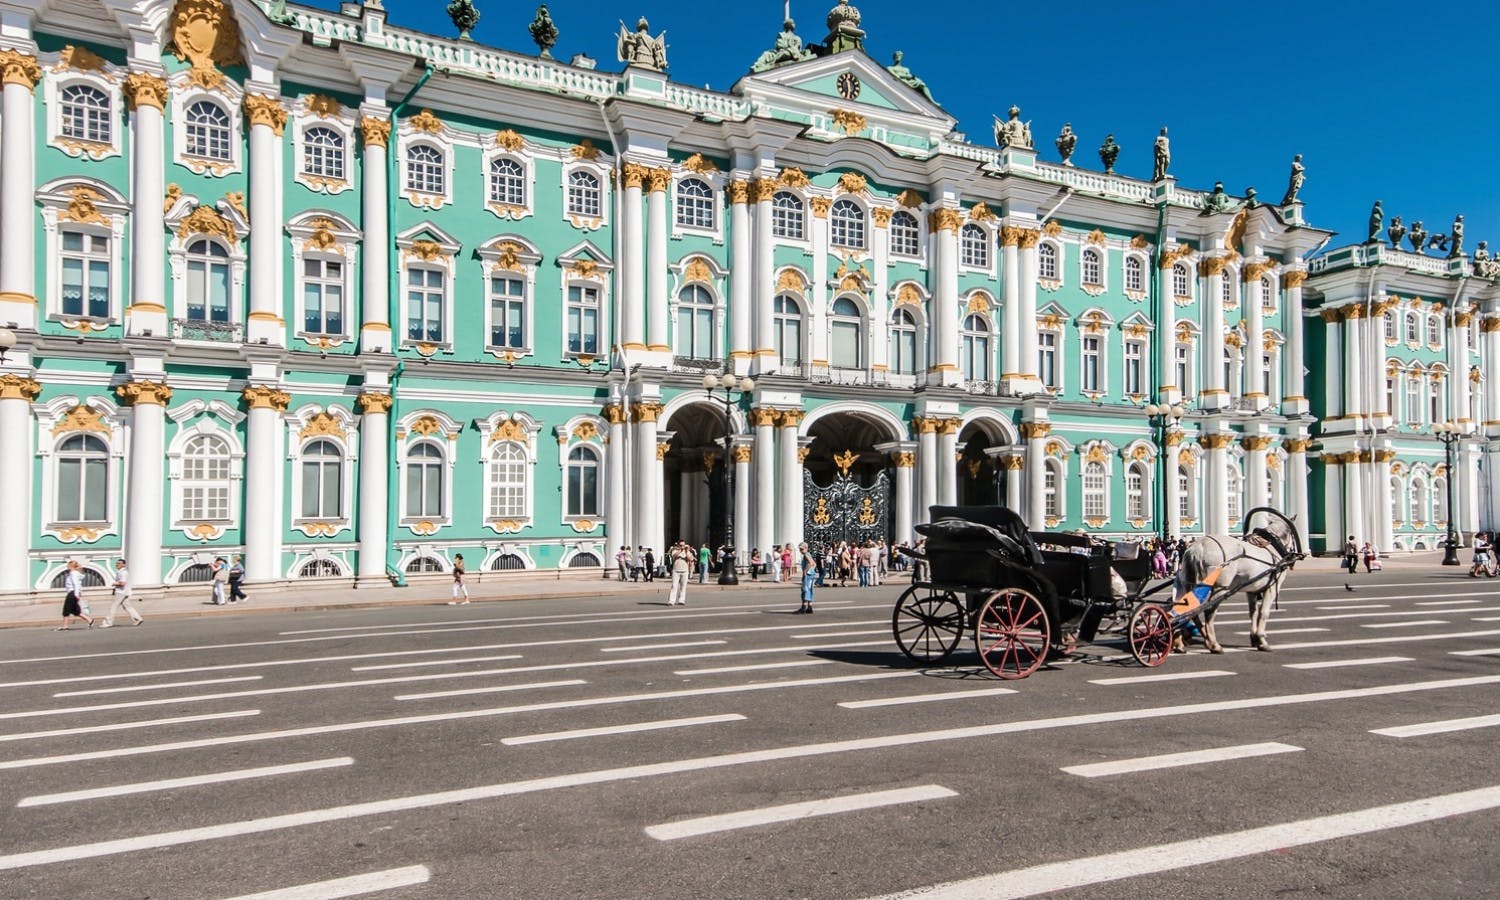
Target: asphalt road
[[616, 748]]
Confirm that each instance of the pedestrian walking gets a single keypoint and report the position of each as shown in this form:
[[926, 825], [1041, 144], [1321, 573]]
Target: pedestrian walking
[[74, 605], [703, 557], [809, 577], [776, 563], [650, 563], [622, 560], [755, 563], [680, 562], [237, 580], [221, 581], [121, 595], [460, 588], [1367, 553], [1351, 555], [637, 562]]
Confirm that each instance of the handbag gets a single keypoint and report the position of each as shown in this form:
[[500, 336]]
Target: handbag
[[1375, 565], [1344, 563]]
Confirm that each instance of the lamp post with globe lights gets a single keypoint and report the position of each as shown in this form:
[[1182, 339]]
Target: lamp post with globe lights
[[729, 384], [1163, 417], [1449, 433]]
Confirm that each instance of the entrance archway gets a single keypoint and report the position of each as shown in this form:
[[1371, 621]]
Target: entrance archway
[[981, 476], [693, 476], [847, 483]]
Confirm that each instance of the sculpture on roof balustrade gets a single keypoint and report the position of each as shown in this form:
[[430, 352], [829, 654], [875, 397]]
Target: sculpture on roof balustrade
[[1416, 236], [1109, 152], [1456, 238], [543, 31], [844, 32], [1163, 154], [1217, 201], [1485, 266], [903, 74], [1294, 181], [1013, 132], [1066, 142], [641, 49], [787, 49], [465, 16], [1377, 219]]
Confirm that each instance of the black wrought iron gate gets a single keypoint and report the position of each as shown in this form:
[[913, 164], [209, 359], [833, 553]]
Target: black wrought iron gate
[[846, 510]]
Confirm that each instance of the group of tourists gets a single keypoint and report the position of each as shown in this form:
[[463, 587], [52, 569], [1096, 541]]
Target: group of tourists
[[76, 605]]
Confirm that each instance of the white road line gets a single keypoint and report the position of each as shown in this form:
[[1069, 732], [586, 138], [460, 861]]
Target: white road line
[[1394, 614], [342, 727], [792, 812], [661, 646], [1204, 849], [1381, 584], [77, 851], [127, 726], [926, 698], [632, 728], [1487, 651], [352, 886], [1412, 624], [1281, 631], [1170, 676], [156, 687], [723, 670], [1403, 731], [145, 787], [1492, 595], [1445, 602], [1340, 663], [814, 637], [555, 619], [1404, 638], [1487, 618], [661, 695], [1353, 606], [1174, 760]]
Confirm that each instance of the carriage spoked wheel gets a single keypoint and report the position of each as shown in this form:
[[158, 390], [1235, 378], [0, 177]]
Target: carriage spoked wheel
[[1150, 635], [928, 624], [1012, 633]]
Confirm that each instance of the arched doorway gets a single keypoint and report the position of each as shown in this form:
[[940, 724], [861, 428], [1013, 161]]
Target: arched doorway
[[847, 483], [693, 476], [981, 475]]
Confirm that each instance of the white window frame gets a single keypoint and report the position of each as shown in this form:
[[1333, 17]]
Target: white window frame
[[602, 179], [424, 198], [445, 261], [1412, 328], [1096, 505], [914, 327], [1100, 285], [1391, 331], [1054, 494], [892, 228], [1435, 331], [1270, 301], [229, 97], [1414, 399], [1437, 398], [860, 321], [1138, 345], [308, 242], [1419, 500], [505, 209], [52, 103], [1184, 355], [1439, 499], [1059, 378], [847, 225], [1133, 276], [778, 320], [1101, 362], [198, 418], [596, 291], [974, 243], [54, 199], [347, 443], [1182, 282], [600, 492], [1234, 483], [784, 215], [968, 336], [686, 210], [497, 431], [510, 256], [1055, 279], [1187, 503], [404, 465], [111, 486], [680, 308], [1141, 495], [177, 256]]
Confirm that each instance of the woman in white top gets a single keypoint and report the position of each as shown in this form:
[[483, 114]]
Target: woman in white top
[[122, 596], [74, 606]]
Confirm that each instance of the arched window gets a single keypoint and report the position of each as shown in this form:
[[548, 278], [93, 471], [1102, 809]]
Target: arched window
[[1235, 484], [507, 562], [426, 171], [1412, 328], [1182, 285], [1046, 261], [85, 259], [1440, 500], [974, 246], [1092, 266], [974, 357], [1226, 289], [207, 131], [1268, 295], [906, 235], [82, 479], [319, 568], [507, 182], [424, 565], [1418, 500], [695, 204], [323, 153], [1397, 507], [322, 481], [91, 578], [1437, 399], [1095, 491], [1051, 492], [206, 479], [788, 315], [508, 482], [197, 573], [1135, 274], [85, 112], [1413, 398], [1390, 325], [695, 322], [1136, 507], [846, 225], [787, 216], [583, 482], [207, 282], [846, 328], [903, 342], [584, 561], [424, 480], [584, 198], [1183, 367]]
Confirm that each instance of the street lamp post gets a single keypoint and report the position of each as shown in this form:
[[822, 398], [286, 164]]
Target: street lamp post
[[1163, 417], [1449, 433], [728, 384]]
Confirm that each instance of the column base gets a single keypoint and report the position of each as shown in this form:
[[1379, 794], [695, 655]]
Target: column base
[[1295, 406], [146, 320], [18, 309], [946, 375], [375, 338], [365, 582], [1213, 399], [265, 328], [1021, 385]]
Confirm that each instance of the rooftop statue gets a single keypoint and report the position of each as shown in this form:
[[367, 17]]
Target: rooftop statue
[[1013, 132], [1109, 151], [279, 14], [1377, 218], [1484, 265], [902, 73], [1218, 201], [1416, 236], [1396, 232], [1457, 238], [1251, 201], [1438, 242], [641, 49], [543, 32], [843, 29], [1294, 181], [788, 49], [1163, 152], [465, 16], [1066, 142]]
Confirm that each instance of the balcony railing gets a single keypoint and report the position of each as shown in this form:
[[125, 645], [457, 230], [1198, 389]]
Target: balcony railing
[[696, 364], [199, 330]]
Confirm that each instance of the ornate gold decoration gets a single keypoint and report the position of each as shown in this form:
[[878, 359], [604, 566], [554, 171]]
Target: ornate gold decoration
[[424, 527], [661, 451], [790, 280], [1096, 453], [1213, 265], [867, 512], [1462, 319], [322, 424], [318, 529], [881, 216], [377, 403], [204, 34], [819, 206], [170, 198], [908, 295], [1171, 256], [143, 393], [1095, 237], [742, 453], [585, 431], [1033, 430], [1186, 457], [374, 132], [944, 220], [583, 526], [658, 180], [509, 139], [1026, 238], [1489, 325], [583, 268], [1256, 442], [700, 164], [261, 109], [614, 414], [697, 270], [978, 303], [262, 397], [1014, 463], [1293, 279], [924, 425], [847, 121], [1010, 236], [81, 59], [981, 213], [145, 89], [509, 430], [762, 416], [1252, 271], [710, 459], [762, 190], [82, 418], [82, 209], [910, 199], [19, 68], [738, 191], [426, 121], [1215, 441], [1052, 228], [74, 533], [425, 250], [820, 514], [207, 220], [853, 183], [1352, 311], [1053, 448], [1140, 242], [792, 177], [14, 387], [427, 426], [507, 526], [236, 201], [973, 466], [645, 411], [204, 531], [584, 149], [904, 459], [789, 418], [322, 105], [322, 239], [510, 256], [845, 461]]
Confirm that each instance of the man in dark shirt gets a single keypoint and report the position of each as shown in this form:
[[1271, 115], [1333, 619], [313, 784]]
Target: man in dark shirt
[[650, 565]]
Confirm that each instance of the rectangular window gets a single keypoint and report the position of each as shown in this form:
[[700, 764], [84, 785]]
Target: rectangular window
[[1413, 400], [1435, 401], [1089, 374], [1390, 397], [507, 313], [1184, 373], [1134, 351], [323, 296], [1046, 360], [85, 275], [1435, 331], [583, 319], [583, 490], [424, 304], [208, 291]]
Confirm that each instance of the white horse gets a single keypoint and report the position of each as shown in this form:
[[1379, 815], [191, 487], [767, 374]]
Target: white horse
[[1254, 566]]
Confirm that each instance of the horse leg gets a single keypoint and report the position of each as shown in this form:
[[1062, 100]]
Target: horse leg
[[1209, 640], [1260, 614]]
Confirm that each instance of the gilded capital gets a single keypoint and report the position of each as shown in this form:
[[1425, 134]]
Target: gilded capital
[[1014, 463], [1256, 442], [1384, 456], [14, 387], [1252, 271], [762, 416], [1010, 236], [1293, 279], [739, 191], [741, 453], [948, 426], [1215, 441], [19, 68], [763, 189], [1034, 430], [904, 459], [789, 418], [374, 403], [944, 220], [658, 180], [145, 89], [819, 207], [882, 216], [375, 132], [802, 454], [265, 110], [614, 414], [143, 393], [633, 174], [645, 412], [1027, 238], [263, 397], [1296, 445], [1213, 265], [1352, 311], [924, 425], [1488, 325]]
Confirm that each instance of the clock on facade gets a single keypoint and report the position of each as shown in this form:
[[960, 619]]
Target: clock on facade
[[848, 85]]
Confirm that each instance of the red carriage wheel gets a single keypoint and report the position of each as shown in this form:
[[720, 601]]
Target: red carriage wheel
[[1012, 633], [1150, 635]]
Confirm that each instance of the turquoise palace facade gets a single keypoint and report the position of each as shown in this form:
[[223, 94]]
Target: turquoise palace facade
[[349, 300]]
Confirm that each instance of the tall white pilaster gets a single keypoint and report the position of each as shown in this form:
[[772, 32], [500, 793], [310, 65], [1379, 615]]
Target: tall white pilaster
[[267, 121], [648, 528], [928, 461], [761, 192], [18, 220], [143, 513], [16, 440], [1012, 351], [1354, 496], [1384, 512], [763, 419], [1035, 435], [1255, 470], [1216, 484], [1296, 486], [374, 486], [944, 225], [1334, 522], [741, 456], [905, 461], [1214, 393], [632, 264], [1172, 489], [262, 474], [947, 461], [790, 475], [616, 525], [658, 321], [146, 93], [1294, 387], [741, 285], [375, 250], [1026, 262], [1253, 304]]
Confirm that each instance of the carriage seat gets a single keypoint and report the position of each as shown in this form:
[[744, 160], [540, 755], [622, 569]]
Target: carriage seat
[[1130, 561]]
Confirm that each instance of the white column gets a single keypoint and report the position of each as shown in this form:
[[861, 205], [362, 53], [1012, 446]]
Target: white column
[[658, 323], [905, 461], [143, 511], [1385, 501], [267, 120], [1172, 489], [1333, 364], [262, 473], [1214, 393], [741, 268], [944, 225], [1026, 241], [790, 475], [742, 455], [927, 466], [687, 519], [375, 250], [1354, 400], [18, 220], [1255, 327], [1333, 502], [1255, 471], [1015, 466], [632, 264], [147, 311], [648, 482], [1296, 486], [1012, 350], [616, 525], [947, 461], [1458, 368], [761, 192], [1489, 346], [374, 487], [1467, 460], [16, 428], [1354, 497], [1294, 388], [764, 422], [1036, 434], [1216, 484]]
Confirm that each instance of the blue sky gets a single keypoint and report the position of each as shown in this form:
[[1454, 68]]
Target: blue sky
[[1384, 100]]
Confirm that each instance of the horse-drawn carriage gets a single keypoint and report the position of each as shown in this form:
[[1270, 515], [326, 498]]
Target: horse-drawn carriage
[[1026, 595]]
